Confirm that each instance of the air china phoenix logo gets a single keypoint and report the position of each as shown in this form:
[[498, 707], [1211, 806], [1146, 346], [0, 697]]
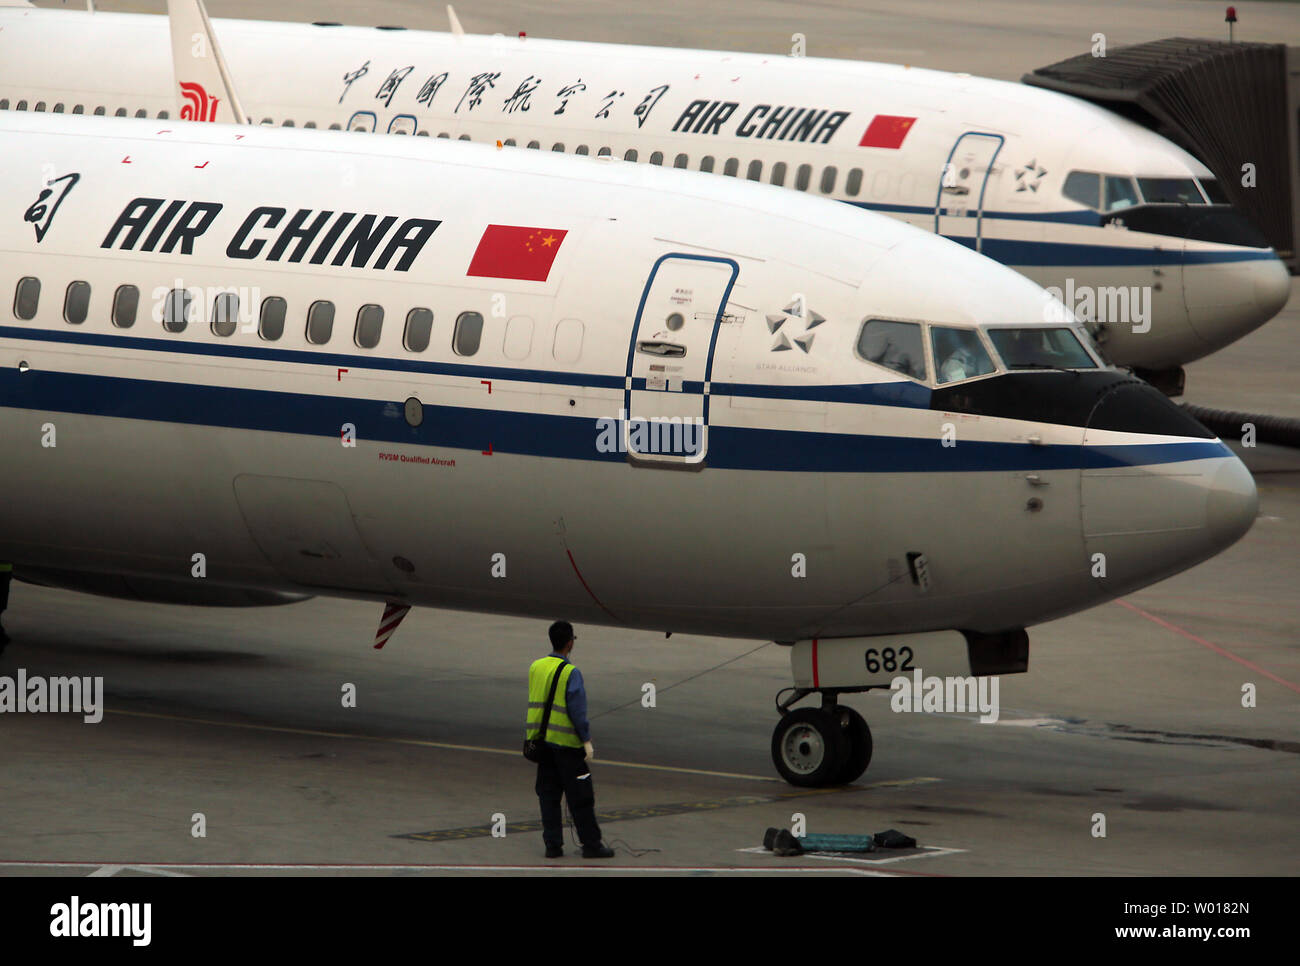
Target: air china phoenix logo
[[198, 106], [41, 214]]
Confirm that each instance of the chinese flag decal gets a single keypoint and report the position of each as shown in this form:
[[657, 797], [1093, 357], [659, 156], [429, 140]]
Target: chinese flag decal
[[886, 131], [512, 251]]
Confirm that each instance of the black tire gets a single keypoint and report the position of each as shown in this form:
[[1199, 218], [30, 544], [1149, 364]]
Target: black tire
[[857, 736], [808, 748]]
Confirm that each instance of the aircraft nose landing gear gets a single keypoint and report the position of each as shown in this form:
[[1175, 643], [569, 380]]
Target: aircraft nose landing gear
[[815, 747]]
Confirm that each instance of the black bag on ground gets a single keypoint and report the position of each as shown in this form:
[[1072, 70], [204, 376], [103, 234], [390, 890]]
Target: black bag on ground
[[533, 746]]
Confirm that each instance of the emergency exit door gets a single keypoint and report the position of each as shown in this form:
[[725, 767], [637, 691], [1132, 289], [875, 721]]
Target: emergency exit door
[[959, 205], [670, 359]]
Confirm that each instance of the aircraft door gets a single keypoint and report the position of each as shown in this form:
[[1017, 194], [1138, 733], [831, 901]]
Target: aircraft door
[[670, 359], [959, 203]]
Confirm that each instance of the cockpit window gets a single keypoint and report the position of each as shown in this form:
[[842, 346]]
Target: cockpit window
[[1214, 191], [1170, 191], [895, 345], [1083, 187], [1120, 193], [958, 354], [1041, 349]]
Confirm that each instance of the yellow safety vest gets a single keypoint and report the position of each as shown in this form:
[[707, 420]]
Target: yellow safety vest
[[559, 728]]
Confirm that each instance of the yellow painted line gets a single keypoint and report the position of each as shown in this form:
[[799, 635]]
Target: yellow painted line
[[421, 743]]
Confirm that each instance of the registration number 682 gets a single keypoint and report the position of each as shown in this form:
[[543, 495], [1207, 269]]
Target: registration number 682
[[888, 659]]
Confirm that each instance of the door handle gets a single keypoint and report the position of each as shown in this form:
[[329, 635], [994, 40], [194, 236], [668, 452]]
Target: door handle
[[669, 349]]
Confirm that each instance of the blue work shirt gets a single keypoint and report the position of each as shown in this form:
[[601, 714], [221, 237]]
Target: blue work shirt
[[575, 701]]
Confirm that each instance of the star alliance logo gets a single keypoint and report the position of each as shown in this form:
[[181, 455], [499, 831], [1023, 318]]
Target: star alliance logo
[[1029, 177], [795, 312]]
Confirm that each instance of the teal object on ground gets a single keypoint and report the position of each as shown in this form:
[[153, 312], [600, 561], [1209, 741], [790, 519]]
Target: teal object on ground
[[837, 843]]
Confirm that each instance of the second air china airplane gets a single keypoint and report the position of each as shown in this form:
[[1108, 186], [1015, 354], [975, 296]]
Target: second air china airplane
[[240, 365], [1128, 229]]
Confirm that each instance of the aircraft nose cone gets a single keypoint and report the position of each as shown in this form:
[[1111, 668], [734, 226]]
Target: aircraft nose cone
[[1232, 505], [1272, 287]]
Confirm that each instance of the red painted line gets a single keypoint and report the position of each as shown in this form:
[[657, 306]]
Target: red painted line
[[574, 563], [201, 166], [488, 382], [127, 159], [815, 675], [340, 374], [1213, 647], [488, 451]]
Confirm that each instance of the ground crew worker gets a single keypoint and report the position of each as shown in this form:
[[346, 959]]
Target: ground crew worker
[[563, 769], [6, 574]]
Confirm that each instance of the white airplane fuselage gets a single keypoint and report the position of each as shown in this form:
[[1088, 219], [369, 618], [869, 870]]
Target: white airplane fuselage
[[483, 463], [982, 162]]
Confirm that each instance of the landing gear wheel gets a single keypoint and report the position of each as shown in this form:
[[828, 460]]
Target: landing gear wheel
[[809, 748], [858, 738]]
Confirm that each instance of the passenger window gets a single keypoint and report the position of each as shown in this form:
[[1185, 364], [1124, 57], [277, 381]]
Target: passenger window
[[755, 172], [605, 153], [558, 147], [853, 186], [1120, 193], [519, 338], [58, 108], [894, 345], [829, 175], [958, 354], [22, 106], [27, 298], [629, 154], [534, 145], [4, 103], [176, 310], [99, 111], [803, 176], [225, 313], [309, 124], [142, 113], [162, 115], [126, 301], [339, 127], [508, 143], [286, 123], [731, 168], [419, 324], [657, 158], [320, 322], [706, 163], [270, 321], [39, 106], [468, 333], [370, 321], [120, 112], [463, 137], [76, 303], [681, 161], [81, 109], [567, 347], [580, 149], [1083, 187], [778, 173]]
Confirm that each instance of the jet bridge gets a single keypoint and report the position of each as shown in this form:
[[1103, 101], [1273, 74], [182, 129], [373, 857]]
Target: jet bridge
[[1229, 104]]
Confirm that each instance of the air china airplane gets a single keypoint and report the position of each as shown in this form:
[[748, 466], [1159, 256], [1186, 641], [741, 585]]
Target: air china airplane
[[240, 365], [1127, 228]]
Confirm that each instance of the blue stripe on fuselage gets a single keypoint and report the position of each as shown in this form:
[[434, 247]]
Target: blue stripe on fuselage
[[544, 435]]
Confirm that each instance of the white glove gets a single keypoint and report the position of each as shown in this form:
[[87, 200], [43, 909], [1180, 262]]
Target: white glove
[[589, 749]]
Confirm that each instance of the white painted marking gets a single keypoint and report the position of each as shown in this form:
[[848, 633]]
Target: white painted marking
[[104, 871]]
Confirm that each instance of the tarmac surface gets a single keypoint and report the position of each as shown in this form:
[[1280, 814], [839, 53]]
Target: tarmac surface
[[1132, 711]]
